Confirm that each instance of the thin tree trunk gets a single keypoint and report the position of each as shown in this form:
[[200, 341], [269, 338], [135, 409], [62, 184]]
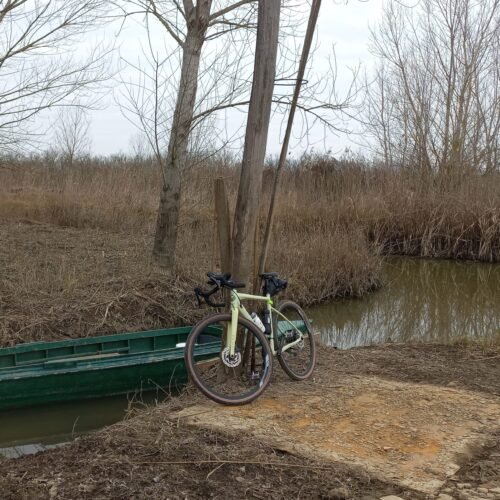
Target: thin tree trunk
[[165, 238], [313, 18], [254, 153]]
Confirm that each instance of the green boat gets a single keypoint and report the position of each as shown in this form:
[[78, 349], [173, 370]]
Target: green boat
[[44, 372]]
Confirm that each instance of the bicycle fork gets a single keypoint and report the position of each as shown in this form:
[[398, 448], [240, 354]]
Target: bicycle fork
[[248, 351], [234, 325]]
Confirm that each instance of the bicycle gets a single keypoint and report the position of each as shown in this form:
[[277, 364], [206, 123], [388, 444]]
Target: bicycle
[[228, 355]]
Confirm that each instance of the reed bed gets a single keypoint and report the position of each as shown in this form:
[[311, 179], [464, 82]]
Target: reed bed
[[75, 243], [400, 211]]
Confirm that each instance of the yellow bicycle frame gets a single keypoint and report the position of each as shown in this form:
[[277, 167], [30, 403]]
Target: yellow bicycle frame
[[238, 308]]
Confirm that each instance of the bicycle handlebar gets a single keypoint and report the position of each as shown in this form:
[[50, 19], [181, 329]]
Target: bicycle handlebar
[[217, 281], [200, 294]]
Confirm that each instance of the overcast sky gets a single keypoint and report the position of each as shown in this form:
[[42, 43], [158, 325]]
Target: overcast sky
[[344, 25]]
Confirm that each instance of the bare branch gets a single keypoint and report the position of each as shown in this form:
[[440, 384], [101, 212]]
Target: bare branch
[[230, 8], [39, 68], [165, 23]]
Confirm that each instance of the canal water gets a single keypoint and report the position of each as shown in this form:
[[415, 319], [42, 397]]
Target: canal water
[[421, 301], [29, 430]]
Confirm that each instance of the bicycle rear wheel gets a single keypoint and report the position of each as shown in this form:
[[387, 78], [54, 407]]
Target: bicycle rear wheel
[[297, 361], [228, 380]]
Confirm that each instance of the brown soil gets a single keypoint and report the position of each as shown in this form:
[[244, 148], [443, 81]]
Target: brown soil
[[409, 434], [155, 454]]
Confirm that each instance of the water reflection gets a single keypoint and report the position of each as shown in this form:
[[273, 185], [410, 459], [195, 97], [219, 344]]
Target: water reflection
[[422, 300], [28, 430]]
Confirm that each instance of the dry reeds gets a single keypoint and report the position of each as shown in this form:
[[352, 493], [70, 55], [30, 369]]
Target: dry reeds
[[75, 243], [402, 211]]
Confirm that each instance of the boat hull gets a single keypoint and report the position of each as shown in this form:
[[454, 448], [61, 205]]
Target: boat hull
[[40, 373], [47, 372]]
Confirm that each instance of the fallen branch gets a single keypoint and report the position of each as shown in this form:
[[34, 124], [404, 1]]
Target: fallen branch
[[234, 462], [479, 359]]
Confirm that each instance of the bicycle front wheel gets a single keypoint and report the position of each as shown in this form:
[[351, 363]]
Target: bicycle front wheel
[[294, 339], [228, 379]]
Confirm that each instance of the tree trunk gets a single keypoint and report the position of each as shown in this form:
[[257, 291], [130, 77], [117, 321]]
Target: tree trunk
[[254, 153], [311, 25], [165, 238]]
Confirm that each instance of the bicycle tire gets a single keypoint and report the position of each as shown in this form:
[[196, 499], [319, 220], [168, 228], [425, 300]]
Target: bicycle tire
[[289, 361], [197, 367]]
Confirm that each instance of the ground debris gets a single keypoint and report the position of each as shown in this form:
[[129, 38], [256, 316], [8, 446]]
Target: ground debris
[[149, 455], [409, 434]]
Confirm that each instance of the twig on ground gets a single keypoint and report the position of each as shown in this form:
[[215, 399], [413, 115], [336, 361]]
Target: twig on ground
[[235, 462]]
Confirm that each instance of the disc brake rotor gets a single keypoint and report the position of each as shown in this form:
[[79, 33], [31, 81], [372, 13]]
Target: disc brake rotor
[[230, 361]]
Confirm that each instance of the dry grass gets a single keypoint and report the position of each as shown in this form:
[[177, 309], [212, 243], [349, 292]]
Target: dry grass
[[60, 282], [76, 243], [401, 211]]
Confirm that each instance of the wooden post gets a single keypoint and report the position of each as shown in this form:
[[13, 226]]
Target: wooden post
[[223, 224]]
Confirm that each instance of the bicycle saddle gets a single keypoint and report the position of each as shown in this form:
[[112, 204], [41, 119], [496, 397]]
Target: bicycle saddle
[[266, 276]]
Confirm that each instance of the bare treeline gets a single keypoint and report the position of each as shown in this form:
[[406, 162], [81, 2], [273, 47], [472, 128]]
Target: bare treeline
[[40, 67], [434, 102]]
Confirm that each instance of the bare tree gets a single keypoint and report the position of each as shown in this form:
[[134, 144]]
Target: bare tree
[[38, 64], [169, 112], [189, 25], [72, 134], [149, 90], [139, 145], [434, 102], [311, 26]]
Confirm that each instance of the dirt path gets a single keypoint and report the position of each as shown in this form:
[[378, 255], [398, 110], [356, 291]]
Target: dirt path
[[409, 434], [346, 434]]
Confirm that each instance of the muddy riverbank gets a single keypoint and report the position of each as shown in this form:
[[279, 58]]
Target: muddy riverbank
[[60, 282], [155, 455]]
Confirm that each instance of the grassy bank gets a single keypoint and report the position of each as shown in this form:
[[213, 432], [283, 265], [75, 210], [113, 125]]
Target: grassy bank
[[402, 212], [76, 245], [76, 242]]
